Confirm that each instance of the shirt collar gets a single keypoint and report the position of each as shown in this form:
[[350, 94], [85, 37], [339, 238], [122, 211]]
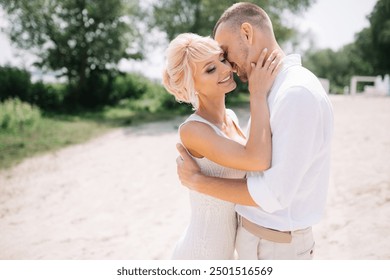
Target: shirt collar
[[287, 62], [291, 60]]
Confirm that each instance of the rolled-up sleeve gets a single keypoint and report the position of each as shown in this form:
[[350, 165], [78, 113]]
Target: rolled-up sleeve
[[295, 124]]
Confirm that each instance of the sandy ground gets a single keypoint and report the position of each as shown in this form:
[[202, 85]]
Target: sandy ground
[[117, 196]]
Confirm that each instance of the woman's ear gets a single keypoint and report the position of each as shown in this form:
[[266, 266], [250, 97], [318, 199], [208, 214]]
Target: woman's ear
[[246, 32]]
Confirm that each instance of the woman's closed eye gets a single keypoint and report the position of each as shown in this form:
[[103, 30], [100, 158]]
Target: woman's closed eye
[[223, 57], [211, 69]]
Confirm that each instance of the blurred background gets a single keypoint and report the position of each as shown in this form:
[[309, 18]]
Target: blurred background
[[76, 68], [87, 167]]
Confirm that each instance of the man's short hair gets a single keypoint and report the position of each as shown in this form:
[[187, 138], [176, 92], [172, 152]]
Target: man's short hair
[[242, 12]]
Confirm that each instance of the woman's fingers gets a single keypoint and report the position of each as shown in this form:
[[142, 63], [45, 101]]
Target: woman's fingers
[[269, 64], [260, 60], [274, 63], [271, 61], [277, 67]]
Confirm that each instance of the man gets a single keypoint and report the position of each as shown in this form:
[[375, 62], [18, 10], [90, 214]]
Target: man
[[278, 207]]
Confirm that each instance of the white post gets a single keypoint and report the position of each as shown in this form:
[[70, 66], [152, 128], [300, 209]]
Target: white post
[[387, 84], [356, 79], [353, 85]]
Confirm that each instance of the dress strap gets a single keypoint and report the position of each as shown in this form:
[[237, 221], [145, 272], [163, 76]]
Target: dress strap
[[196, 118]]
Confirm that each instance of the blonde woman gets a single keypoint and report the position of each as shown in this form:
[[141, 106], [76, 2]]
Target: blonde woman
[[198, 73]]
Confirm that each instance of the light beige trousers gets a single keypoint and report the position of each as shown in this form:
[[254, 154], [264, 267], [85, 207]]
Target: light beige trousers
[[251, 247]]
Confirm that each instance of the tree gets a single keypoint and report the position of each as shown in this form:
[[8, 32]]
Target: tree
[[366, 56], [380, 37], [325, 64], [82, 40], [199, 16], [338, 66]]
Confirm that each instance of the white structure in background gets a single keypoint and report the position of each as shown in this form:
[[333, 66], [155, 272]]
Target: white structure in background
[[380, 87], [325, 84]]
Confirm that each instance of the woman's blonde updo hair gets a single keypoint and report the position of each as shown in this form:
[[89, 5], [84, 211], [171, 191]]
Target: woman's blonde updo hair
[[182, 54]]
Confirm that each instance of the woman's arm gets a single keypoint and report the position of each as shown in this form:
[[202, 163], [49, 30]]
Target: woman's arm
[[190, 175], [256, 154]]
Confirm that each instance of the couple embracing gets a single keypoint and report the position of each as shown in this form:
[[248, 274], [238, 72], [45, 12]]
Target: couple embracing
[[257, 193]]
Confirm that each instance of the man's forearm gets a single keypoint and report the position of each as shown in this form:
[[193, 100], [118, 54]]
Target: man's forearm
[[233, 190]]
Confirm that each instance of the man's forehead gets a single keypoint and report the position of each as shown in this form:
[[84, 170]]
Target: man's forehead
[[222, 36], [221, 30], [224, 47]]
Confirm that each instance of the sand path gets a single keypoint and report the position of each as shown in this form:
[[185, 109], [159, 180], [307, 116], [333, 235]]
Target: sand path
[[117, 196]]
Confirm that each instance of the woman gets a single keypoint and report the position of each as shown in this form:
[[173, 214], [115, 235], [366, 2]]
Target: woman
[[198, 73]]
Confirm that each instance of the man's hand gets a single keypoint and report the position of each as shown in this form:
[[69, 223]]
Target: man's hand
[[187, 169]]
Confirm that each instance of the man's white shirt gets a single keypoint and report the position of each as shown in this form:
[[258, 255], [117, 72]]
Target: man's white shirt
[[292, 193]]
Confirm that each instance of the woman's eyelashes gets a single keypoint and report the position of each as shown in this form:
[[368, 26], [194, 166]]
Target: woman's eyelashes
[[211, 69]]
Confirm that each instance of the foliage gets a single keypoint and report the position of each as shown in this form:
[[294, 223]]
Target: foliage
[[16, 115], [324, 62], [141, 94], [338, 66], [14, 82], [131, 86], [46, 135], [82, 40], [367, 56], [48, 97], [374, 42], [54, 130], [199, 16]]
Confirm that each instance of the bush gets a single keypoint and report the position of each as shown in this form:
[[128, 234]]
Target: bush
[[17, 115], [129, 86], [138, 93], [49, 97], [162, 99], [129, 90], [157, 99], [14, 83]]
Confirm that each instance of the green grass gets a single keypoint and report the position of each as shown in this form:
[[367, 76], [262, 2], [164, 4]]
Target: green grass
[[48, 135], [57, 131], [54, 131]]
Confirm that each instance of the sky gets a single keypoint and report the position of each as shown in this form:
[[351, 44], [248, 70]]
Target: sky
[[332, 23], [335, 22]]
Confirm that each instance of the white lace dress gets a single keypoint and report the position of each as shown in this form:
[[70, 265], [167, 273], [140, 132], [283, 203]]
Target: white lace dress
[[211, 232]]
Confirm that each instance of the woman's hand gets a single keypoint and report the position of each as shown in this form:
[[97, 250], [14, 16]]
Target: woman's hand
[[263, 73], [187, 168]]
